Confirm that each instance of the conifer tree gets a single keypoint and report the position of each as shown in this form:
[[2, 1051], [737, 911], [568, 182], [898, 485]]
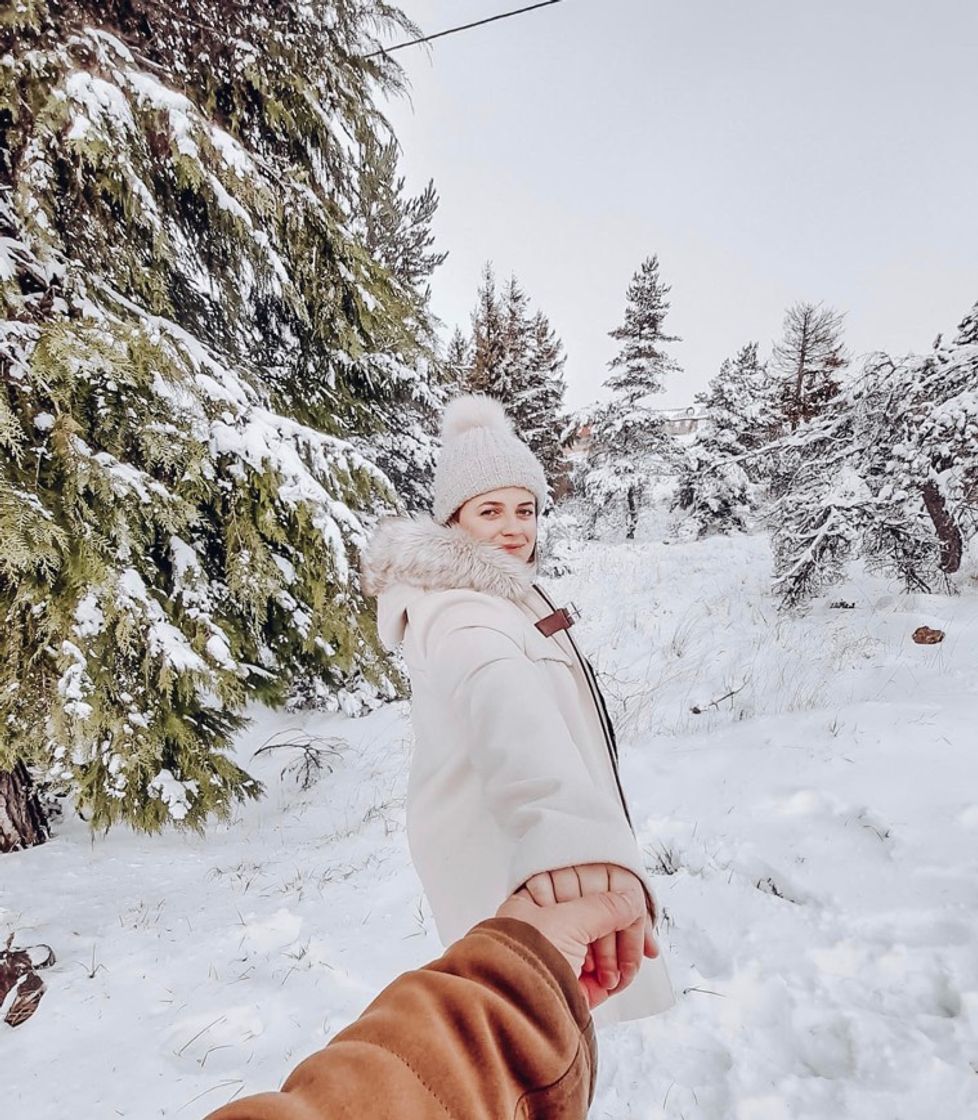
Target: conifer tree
[[713, 488], [888, 472], [196, 343], [630, 445], [722, 470], [641, 364], [517, 358], [538, 405], [396, 231], [809, 359], [928, 424], [512, 371], [396, 228], [457, 364], [530, 379], [743, 399], [488, 340]]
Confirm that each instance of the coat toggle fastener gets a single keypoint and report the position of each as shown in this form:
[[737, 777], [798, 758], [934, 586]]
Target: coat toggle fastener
[[563, 618]]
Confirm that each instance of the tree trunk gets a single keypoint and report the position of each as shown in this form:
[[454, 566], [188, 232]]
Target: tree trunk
[[948, 533], [796, 415], [22, 820], [796, 409], [632, 514]]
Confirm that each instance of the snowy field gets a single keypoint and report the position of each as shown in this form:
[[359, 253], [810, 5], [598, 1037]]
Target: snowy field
[[813, 829]]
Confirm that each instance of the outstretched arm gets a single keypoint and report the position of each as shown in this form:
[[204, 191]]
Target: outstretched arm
[[501, 1018]]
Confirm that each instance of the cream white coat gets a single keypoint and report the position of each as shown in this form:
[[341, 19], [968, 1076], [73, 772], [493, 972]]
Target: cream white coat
[[512, 772]]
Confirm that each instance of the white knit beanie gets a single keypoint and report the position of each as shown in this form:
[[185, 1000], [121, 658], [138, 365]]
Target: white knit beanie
[[480, 452]]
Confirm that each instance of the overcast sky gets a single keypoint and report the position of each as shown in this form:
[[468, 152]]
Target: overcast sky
[[768, 150]]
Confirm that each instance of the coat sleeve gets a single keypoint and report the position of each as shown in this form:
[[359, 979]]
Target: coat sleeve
[[498, 1022], [536, 783]]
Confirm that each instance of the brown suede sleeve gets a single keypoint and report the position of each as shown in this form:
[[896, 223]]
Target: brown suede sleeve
[[496, 1028]]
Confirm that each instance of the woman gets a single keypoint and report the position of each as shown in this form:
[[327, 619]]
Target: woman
[[514, 777]]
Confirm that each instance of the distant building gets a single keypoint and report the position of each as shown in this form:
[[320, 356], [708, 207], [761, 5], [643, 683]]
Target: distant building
[[677, 422], [682, 421]]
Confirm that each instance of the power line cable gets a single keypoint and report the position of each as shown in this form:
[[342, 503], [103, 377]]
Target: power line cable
[[464, 27]]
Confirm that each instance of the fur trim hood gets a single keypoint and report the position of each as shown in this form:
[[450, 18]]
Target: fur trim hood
[[421, 553], [407, 556]]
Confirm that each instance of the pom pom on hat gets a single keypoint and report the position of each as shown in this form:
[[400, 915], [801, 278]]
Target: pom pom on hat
[[481, 452], [464, 413]]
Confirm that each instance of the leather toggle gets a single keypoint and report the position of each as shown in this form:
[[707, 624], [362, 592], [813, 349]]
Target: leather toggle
[[563, 618]]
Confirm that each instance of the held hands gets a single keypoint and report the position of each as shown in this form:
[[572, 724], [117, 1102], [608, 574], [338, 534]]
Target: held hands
[[571, 927], [612, 960]]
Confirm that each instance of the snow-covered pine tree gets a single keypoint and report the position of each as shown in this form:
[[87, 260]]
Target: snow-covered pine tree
[[518, 359], [888, 472], [194, 338], [744, 398], [532, 379], [397, 228], [457, 363], [510, 375], [932, 439], [629, 443], [809, 359], [821, 510], [488, 344], [396, 231], [538, 406], [837, 505], [722, 466], [712, 488]]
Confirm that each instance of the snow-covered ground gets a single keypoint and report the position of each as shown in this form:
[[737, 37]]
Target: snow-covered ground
[[814, 829]]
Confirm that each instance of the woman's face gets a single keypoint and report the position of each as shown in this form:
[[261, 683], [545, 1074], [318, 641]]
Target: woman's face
[[506, 518]]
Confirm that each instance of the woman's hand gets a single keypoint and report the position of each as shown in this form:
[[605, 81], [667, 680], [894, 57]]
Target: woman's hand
[[613, 960]]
